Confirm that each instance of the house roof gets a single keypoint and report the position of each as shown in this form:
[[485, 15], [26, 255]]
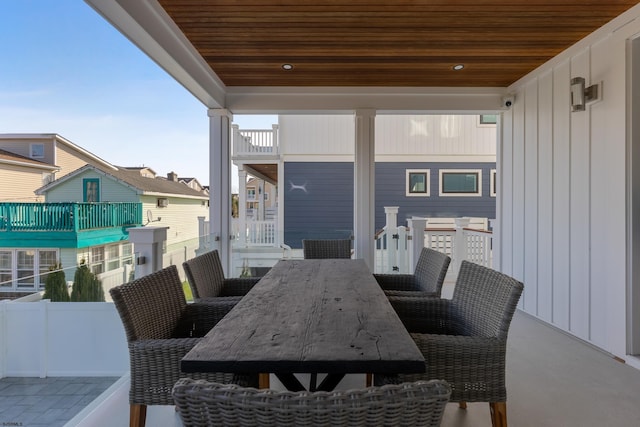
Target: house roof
[[8, 157], [133, 179], [58, 139], [344, 53]]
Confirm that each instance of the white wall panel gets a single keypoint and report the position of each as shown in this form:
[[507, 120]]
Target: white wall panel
[[545, 197], [518, 179], [530, 190], [560, 169], [579, 269], [504, 170], [580, 203]]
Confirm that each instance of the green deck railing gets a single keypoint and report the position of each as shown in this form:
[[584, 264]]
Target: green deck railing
[[68, 216]]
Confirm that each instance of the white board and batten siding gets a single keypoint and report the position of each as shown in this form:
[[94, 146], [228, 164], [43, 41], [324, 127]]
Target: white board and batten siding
[[563, 203], [444, 138]]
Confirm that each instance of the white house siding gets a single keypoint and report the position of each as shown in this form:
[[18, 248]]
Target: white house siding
[[308, 135], [17, 183], [433, 135], [110, 190], [181, 216], [562, 195]]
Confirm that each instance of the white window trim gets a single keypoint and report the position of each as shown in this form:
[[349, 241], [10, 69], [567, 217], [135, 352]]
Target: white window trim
[[36, 144], [492, 180], [444, 171], [408, 172]]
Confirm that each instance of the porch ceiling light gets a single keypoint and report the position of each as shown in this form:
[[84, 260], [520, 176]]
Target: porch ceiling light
[[458, 67], [287, 67]]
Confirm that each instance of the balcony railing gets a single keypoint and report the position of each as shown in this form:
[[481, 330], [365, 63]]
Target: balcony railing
[[68, 216], [255, 142]]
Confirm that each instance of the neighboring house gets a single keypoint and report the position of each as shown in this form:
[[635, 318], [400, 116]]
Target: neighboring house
[[20, 175], [41, 158], [193, 183], [86, 215], [427, 165], [261, 200]]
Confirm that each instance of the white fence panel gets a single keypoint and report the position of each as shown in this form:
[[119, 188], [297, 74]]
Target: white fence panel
[[41, 339]]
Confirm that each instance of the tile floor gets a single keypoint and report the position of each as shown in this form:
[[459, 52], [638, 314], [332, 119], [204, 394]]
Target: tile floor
[[50, 402]]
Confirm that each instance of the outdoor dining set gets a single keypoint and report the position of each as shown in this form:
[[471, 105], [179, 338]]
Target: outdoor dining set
[[325, 315]]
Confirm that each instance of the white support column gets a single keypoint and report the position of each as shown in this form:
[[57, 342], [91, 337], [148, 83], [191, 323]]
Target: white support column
[[364, 186], [220, 183], [242, 205]]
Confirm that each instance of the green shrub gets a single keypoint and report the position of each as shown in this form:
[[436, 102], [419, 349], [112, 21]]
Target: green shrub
[[55, 285], [86, 286]]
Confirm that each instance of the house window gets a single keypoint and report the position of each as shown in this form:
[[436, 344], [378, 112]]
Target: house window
[[417, 182], [488, 119], [25, 268], [28, 268], [460, 182], [251, 193], [6, 269], [36, 151], [113, 257], [266, 196], [493, 183], [127, 253], [46, 259], [91, 190], [97, 260]]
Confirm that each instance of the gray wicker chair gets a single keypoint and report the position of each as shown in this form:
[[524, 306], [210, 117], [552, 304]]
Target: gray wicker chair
[[201, 403], [426, 281], [464, 340], [328, 248], [161, 328], [207, 281]]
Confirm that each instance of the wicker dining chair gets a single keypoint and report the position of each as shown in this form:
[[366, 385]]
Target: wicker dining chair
[[464, 340], [201, 403], [161, 328], [326, 248], [426, 281], [206, 279]]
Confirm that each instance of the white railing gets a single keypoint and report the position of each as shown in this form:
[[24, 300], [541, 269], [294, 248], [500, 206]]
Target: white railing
[[393, 250], [456, 237], [255, 141], [261, 233]]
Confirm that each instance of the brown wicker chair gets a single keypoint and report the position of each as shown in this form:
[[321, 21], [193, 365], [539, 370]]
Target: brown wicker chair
[[201, 403], [464, 340], [207, 281], [161, 328], [329, 248], [426, 281]]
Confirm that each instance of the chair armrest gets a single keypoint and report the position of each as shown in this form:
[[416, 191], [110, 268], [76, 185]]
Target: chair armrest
[[155, 368], [425, 315], [414, 294], [397, 282], [237, 286], [199, 317]]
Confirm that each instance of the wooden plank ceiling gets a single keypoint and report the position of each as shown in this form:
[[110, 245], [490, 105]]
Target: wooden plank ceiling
[[384, 43]]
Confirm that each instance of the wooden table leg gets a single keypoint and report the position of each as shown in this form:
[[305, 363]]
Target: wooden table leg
[[263, 381]]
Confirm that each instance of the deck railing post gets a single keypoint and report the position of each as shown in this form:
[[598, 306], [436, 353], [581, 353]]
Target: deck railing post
[[460, 244], [417, 227], [391, 214]]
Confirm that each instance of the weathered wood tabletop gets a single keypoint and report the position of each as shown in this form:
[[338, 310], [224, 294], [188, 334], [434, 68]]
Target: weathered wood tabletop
[[324, 315]]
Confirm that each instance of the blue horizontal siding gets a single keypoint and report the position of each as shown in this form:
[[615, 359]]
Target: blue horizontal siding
[[325, 209]]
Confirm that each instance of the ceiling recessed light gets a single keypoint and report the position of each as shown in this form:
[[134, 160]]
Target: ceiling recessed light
[[458, 67], [287, 67]]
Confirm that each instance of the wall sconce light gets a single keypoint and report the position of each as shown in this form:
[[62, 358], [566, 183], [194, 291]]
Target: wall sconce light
[[580, 96]]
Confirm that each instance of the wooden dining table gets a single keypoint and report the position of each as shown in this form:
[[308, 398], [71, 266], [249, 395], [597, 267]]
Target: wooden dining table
[[310, 316]]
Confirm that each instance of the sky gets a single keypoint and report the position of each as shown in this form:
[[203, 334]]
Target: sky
[[65, 70]]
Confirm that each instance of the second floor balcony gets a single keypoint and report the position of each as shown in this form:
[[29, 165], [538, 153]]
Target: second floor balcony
[[66, 224]]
